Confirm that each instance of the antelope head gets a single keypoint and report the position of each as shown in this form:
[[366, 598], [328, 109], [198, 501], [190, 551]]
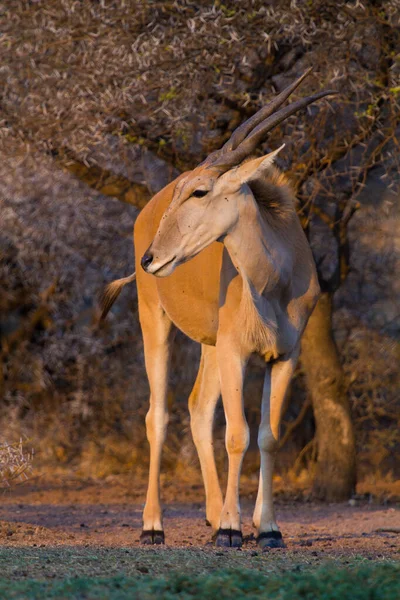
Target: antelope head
[[206, 201]]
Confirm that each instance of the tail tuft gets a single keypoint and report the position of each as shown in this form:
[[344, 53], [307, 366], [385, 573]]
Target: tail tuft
[[111, 293]]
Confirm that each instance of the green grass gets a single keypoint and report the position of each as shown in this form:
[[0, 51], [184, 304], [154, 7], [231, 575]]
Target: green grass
[[67, 562], [86, 573], [373, 582]]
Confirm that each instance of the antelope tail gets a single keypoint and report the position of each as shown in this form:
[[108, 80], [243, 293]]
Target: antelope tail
[[111, 293]]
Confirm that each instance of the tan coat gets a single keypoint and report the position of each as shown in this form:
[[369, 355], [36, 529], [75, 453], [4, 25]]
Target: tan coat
[[221, 255]]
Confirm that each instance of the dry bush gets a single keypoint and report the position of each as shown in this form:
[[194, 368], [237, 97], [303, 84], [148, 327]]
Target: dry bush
[[15, 463], [374, 386], [178, 75], [367, 323]]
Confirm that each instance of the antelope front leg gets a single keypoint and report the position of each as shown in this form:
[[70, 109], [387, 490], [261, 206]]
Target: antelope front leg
[[156, 328], [231, 369], [276, 383], [202, 402]]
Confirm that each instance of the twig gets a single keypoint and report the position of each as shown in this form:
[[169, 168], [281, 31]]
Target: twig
[[387, 530], [294, 424], [307, 447]]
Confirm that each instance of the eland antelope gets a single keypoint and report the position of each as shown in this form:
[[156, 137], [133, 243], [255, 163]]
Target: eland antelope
[[221, 255]]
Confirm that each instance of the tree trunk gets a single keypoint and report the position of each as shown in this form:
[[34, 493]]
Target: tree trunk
[[336, 473]]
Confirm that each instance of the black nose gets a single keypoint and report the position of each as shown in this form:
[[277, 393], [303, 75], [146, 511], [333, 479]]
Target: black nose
[[146, 261]]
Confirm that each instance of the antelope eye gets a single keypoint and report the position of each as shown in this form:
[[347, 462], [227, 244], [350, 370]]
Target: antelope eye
[[199, 193]]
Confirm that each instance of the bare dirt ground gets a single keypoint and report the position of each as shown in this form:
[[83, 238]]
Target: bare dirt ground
[[106, 516]]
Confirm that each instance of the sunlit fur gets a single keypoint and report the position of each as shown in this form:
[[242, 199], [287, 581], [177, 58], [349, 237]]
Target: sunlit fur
[[253, 293], [274, 195], [259, 332]]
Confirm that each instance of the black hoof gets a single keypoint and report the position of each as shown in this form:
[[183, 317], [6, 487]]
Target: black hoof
[[149, 537], [228, 538], [270, 539], [208, 523]]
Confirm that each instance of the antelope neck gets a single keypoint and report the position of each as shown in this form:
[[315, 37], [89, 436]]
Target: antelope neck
[[255, 249]]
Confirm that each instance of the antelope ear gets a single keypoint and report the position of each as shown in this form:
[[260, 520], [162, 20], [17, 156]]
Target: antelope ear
[[254, 168]]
